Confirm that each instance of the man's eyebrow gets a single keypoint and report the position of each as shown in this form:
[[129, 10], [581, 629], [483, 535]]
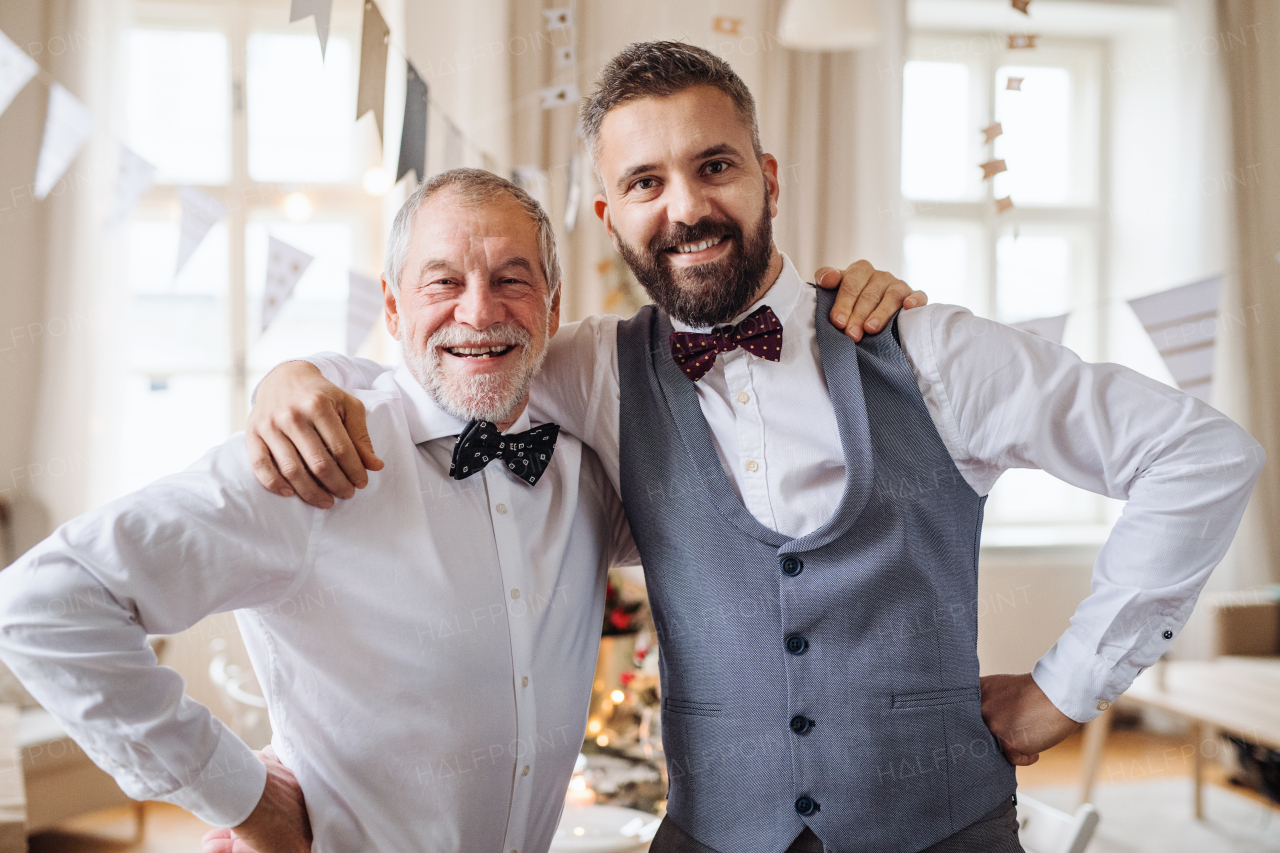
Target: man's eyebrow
[[717, 150], [518, 261], [625, 177]]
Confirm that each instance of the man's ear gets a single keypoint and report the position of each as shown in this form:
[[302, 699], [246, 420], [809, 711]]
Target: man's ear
[[769, 164], [553, 319], [390, 312], [601, 206]]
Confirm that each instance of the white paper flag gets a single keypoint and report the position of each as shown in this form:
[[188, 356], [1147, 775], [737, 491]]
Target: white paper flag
[[1183, 324], [134, 176], [364, 307], [1049, 328], [535, 182], [321, 9], [559, 19], [566, 57], [67, 127], [554, 96], [574, 201], [285, 265], [200, 212], [16, 71], [453, 153]]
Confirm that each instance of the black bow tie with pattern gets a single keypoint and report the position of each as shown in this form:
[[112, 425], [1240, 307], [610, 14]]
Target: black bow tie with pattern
[[759, 334], [526, 454]]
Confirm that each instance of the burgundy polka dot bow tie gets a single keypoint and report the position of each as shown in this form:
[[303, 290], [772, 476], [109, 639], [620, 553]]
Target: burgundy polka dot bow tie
[[526, 454], [760, 334]]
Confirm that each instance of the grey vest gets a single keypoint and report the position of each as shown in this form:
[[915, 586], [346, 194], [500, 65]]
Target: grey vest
[[830, 680]]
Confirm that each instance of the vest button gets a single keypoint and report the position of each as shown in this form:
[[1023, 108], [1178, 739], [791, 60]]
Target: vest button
[[801, 724], [797, 645], [792, 566], [806, 805]]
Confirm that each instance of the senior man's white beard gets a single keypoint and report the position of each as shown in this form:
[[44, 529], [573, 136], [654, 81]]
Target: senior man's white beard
[[493, 397]]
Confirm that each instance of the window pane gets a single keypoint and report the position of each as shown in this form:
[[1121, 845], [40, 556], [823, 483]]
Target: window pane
[[315, 316], [1032, 278], [937, 132], [178, 112], [175, 324], [1037, 132], [169, 422], [938, 264], [300, 111]]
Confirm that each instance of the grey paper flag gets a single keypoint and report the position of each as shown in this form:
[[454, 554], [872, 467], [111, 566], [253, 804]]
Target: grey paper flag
[[364, 307], [67, 127], [134, 176], [374, 41], [321, 9], [16, 71], [413, 138], [453, 145], [1183, 324], [554, 96], [200, 212], [285, 265], [1049, 328], [574, 201]]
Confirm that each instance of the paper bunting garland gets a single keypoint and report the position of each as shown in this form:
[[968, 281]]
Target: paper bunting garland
[[453, 153], [991, 131], [375, 38], [1022, 41], [1014, 84], [285, 265], [574, 200], [991, 168], [565, 57], [1049, 328], [67, 127], [134, 176], [16, 71], [1004, 204], [1021, 5], [554, 96], [559, 19], [413, 139], [1182, 323], [364, 307], [535, 182], [726, 26], [200, 212], [321, 9]]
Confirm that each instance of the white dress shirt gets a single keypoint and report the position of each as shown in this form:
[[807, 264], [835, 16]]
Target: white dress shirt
[[999, 399], [426, 651]]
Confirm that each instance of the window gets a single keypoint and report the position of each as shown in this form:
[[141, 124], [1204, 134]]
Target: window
[[228, 96], [1041, 258]]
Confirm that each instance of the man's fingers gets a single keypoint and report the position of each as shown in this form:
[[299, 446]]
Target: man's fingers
[[827, 277], [892, 297], [852, 282], [264, 468], [359, 433], [868, 301], [304, 432], [917, 299], [350, 474], [217, 841], [290, 465]]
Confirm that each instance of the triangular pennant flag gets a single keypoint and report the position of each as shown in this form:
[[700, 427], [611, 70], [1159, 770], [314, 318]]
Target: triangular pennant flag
[[559, 19], [554, 96], [991, 131], [16, 71], [574, 201], [535, 182], [200, 212], [364, 307], [1049, 328], [285, 265], [134, 176], [375, 38], [321, 9], [67, 127], [1183, 324], [453, 143], [413, 138], [566, 57]]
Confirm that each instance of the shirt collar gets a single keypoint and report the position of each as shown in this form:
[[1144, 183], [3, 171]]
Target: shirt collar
[[782, 297], [427, 421]]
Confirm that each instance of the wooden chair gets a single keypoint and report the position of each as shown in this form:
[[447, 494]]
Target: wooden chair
[[1044, 829]]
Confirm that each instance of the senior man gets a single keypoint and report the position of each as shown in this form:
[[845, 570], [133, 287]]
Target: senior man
[[808, 509], [426, 653]]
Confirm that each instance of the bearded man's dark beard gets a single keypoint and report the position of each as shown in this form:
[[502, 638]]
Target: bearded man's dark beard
[[710, 294]]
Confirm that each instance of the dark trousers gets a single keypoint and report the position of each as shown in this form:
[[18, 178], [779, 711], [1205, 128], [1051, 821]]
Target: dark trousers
[[996, 832]]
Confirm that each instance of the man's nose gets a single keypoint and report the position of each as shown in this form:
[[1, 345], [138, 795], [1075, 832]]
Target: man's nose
[[478, 307], [686, 202]]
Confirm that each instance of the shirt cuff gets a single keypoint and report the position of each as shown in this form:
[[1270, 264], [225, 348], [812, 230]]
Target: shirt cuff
[[226, 790], [1083, 684]]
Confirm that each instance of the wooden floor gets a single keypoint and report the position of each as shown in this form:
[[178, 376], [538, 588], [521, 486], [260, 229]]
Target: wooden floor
[[1131, 755]]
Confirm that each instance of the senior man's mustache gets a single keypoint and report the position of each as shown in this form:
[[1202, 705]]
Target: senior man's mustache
[[493, 341]]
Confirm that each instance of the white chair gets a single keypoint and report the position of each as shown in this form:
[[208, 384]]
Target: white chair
[[1044, 829]]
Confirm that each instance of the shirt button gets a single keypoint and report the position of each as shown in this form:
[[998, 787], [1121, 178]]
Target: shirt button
[[753, 466], [797, 645], [806, 805], [792, 566], [524, 682], [801, 724], [525, 771], [1168, 635], [1104, 705], [744, 397], [501, 508], [515, 593]]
